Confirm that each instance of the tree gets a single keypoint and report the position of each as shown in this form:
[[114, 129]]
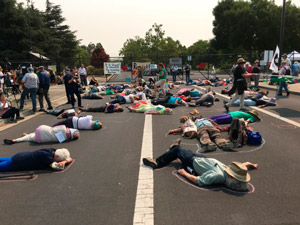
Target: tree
[[98, 57], [82, 56]]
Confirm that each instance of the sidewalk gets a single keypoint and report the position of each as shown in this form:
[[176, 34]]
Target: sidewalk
[[294, 88]]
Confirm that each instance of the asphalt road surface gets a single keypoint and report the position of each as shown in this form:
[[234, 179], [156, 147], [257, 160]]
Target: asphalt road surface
[[101, 186]]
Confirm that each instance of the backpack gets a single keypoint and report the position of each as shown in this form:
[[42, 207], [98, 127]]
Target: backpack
[[287, 71], [254, 138], [237, 131]]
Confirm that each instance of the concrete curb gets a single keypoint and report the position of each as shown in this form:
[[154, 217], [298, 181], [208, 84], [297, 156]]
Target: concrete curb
[[275, 89]]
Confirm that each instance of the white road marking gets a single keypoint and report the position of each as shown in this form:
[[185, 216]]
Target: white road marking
[[262, 110], [144, 202]]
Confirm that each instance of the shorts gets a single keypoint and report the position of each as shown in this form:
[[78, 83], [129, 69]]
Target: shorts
[[160, 82]]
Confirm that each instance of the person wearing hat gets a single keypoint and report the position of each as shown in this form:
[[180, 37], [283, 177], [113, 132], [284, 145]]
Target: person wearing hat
[[81, 123], [285, 70], [240, 84], [31, 82], [44, 85], [249, 117], [45, 134], [288, 61], [45, 158], [204, 171]]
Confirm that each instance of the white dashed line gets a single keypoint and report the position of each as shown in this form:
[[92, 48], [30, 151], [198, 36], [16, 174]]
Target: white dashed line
[[144, 202]]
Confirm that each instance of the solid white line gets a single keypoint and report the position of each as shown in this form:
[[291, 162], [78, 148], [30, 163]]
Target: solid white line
[[144, 202], [262, 110]]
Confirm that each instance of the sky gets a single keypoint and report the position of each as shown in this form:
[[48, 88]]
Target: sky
[[112, 22]]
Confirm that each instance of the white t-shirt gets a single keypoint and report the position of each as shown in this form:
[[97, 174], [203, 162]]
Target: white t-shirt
[[84, 123], [127, 98], [82, 71], [100, 88]]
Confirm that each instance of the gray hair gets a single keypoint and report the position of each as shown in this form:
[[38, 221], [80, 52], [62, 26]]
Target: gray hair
[[63, 154], [235, 184]]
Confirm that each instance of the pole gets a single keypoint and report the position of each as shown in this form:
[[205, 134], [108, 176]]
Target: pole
[[29, 24], [282, 31]]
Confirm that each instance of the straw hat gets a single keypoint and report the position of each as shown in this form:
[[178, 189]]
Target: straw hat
[[255, 114], [283, 62], [183, 119], [238, 171], [241, 60]]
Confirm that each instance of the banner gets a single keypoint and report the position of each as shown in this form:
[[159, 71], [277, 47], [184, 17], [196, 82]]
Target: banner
[[112, 68], [275, 61], [144, 65]]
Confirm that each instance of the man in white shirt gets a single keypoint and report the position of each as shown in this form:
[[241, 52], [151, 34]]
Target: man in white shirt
[[83, 75], [174, 70]]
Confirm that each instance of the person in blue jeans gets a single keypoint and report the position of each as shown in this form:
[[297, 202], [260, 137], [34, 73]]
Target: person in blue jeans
[[174, 70], [30, 81], [36, 160], [285, 70], [204, 171]]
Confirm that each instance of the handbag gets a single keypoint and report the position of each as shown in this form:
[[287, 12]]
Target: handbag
[[254, 138]]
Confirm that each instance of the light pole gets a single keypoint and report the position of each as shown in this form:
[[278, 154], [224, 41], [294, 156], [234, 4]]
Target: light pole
[[282, 31], [29, 23]]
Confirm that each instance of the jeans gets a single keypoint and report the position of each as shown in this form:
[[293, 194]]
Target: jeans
[[187, 78], [242, 97], [5, 164], [67, 122], [282, 85], [77, 93], [174, 74], [177, 152], [205, 99], [83, 79], [119, 99], [42, 93], [68, 93], [32, 92], [12, 112]]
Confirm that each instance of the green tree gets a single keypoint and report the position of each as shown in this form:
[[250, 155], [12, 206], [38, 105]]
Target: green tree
[[82, 56]]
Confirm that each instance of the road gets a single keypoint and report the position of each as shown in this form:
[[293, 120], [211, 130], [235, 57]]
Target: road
[[101, 186]]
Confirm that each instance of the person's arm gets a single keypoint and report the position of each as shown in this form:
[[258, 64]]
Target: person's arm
[[176, 131], [106, 108], [154, 113], [190, 177], [62, 164]]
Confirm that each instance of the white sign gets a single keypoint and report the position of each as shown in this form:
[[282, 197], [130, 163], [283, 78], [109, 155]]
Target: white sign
[[189, 58], [60, 137], [178, 62], [143, 65], [112, 68]]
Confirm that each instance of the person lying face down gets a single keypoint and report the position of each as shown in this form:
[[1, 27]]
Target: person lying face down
[[36, 160], [188, 129], [80, 123], [107, 108], [151, 109], [44, 134], [205, 171]]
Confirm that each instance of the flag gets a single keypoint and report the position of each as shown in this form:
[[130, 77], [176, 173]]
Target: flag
[[275, 61]]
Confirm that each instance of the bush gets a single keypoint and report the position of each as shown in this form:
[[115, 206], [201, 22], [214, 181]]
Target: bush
[[90, 70], [99, 71]]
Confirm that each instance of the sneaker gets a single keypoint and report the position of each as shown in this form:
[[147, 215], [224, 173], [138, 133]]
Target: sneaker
[[150, 162], [192, 104], [228, 146], [8, 142], [20, 118], [209, 148], [12, 121], [177, 142]]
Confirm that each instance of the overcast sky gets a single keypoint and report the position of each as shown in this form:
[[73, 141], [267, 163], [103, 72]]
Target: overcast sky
[[112, 22]]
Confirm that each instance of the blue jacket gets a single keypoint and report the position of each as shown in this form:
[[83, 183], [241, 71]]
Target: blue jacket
[[44, 79]]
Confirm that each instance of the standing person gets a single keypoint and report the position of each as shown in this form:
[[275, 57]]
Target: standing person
[[30, 81], [187, 73], [174, 70], [67, 86], [240, 75], [285, 70], [162, 76], [248, 68], [44, 79], [288, 61], [256, 69], [83, 75], [73, 84]]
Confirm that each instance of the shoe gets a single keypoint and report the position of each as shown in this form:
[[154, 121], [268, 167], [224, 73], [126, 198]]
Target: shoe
[[8, 142], [288, 93], [150, 162], [192, 104], [50, 108], [20, 118], [228, 146], [226, 108], [80, 106], [12, 121], [177, 142], [42, 110], [209, 148]]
